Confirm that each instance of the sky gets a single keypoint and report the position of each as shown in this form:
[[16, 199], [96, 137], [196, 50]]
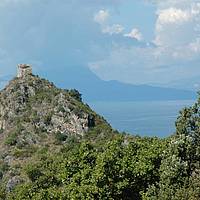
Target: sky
[[134, 41]]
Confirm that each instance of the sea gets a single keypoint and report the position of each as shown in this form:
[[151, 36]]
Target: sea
[[145, 118]]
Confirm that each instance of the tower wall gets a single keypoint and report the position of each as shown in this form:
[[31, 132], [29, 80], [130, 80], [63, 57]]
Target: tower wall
[[24, 70]]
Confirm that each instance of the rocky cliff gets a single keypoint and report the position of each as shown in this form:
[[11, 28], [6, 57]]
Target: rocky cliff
[[35, 116], [35, 105]]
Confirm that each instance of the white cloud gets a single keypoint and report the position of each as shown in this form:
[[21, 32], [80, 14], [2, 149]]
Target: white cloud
[[135, 34], [113, 29], [101, 17], [28, 33], [176, 53], [32, 36], [178, 28], [173, 15]]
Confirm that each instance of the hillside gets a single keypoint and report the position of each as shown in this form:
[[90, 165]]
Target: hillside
[[35, 114], [53, 146]]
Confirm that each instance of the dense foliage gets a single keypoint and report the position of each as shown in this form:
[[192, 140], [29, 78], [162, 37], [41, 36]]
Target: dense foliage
[[119, 169], [100, 164]]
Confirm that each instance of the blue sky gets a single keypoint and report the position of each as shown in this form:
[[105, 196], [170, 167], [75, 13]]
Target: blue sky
[[135, 41], [137, 14]]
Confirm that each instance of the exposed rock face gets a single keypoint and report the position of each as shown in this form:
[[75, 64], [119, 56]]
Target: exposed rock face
[[35, 115], [35, 105], [12, 183]]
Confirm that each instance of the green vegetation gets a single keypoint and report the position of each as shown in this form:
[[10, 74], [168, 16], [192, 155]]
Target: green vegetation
[[60, 137], [11, 139], [105, 165], [75, 94], [41, 161], [119, 169], [12, 136]]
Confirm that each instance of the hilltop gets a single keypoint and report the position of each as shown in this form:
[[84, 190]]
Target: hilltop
[[35, 114], [35, 105]]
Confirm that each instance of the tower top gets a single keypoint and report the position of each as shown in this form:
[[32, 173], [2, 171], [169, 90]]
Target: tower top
[[24, 66], [24, 70]]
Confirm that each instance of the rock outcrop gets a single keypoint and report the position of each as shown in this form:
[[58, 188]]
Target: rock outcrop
[[37, 116], [36, 104]]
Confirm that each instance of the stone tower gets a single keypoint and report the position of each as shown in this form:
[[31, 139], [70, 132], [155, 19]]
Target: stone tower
[[24, 70]]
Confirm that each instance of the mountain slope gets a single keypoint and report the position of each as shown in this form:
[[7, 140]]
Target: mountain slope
[[36, 116]]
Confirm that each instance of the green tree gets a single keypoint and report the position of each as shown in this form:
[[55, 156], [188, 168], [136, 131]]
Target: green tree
[[181, 159]]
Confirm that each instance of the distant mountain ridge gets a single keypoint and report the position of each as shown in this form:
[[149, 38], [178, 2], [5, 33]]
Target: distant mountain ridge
[[95, 89]]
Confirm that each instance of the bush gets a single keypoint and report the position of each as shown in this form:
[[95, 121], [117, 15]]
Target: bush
[[11, 139], [26, 152], [47, 119], [75, 94], [60, 137], [33, 173]]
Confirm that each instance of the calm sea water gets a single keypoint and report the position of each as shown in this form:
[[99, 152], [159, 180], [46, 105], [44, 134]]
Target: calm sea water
[[155, 118]]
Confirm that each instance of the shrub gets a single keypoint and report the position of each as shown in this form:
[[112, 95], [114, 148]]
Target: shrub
[[33, 173], [47, 119], [11, 139], [60, 137], [75, 94]]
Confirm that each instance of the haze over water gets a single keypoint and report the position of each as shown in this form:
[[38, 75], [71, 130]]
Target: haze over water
[[155, 118]]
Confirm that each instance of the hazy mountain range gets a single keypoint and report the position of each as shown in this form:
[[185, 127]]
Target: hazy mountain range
[[95, 89]]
